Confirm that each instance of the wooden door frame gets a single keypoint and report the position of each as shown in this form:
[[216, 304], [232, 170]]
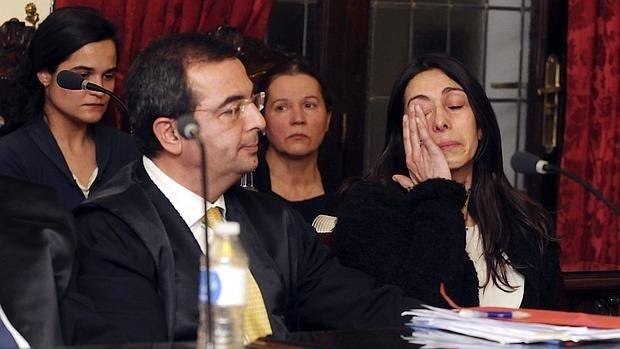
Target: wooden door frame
[[343, 62], [547, 36]]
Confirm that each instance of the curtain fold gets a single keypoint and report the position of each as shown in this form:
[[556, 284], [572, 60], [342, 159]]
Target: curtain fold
[[139, 21], [589, 231]]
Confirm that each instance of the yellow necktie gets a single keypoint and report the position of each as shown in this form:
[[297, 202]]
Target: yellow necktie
[[255, 320]]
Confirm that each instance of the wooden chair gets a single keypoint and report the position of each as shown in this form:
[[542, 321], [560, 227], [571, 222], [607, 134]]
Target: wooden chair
[[324, 225], [15, 37]]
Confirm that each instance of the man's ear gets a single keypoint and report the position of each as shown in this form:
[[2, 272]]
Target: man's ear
[[165, 130], [45, 77]]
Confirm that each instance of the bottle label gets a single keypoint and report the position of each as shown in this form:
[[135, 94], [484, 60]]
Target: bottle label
[[228, 285]]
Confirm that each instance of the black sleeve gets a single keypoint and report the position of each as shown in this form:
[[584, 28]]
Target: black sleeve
[[11, 158], [331, 296], [114, 296], [552, 288], [414, 240]]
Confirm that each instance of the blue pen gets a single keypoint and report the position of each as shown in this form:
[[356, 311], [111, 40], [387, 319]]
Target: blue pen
[[469, 313]]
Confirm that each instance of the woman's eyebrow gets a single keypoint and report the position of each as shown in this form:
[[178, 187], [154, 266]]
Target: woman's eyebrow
[[451, 89], [420, 96]]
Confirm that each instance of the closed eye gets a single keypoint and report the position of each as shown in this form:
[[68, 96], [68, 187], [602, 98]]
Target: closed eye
[[455, 107]]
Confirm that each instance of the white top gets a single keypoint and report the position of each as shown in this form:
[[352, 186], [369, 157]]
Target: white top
[[186, 202], [17, 337], [86, 188], [492, 295]]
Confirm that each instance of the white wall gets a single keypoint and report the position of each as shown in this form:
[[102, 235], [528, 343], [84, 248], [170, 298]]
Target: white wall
[[15, 9]]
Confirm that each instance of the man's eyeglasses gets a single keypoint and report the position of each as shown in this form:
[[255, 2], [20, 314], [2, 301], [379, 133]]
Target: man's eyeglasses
[[238, 108]]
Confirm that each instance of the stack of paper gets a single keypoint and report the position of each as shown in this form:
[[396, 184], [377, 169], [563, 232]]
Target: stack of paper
[[501, 331]]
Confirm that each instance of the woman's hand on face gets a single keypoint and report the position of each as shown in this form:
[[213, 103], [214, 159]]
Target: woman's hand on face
[[423, 157]]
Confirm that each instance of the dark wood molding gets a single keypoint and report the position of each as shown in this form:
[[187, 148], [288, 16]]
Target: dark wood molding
[[596, 292], [343, 63], [547, 36], [592, 280]]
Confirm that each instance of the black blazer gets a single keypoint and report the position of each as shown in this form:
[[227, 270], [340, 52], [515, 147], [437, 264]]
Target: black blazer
[[32, 153], [127, 269], [310, 208]]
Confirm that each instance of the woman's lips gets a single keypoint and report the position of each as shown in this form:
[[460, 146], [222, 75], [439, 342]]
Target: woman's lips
[[297, 136], [448, 145]]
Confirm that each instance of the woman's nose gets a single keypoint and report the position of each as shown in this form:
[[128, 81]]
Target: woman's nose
[[93, 79], [440, 121], [298, 116]]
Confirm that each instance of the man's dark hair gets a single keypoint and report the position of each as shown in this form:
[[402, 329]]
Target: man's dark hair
[[157, 85]]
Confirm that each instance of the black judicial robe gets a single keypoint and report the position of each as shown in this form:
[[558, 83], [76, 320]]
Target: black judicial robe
[[128, 279], [36, 257]]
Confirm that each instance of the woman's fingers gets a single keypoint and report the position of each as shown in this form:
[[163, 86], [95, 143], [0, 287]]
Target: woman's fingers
[[411, 139], [423, 157], [404, 181], [413, 129], [437, 166], [422, 125], [425, 137], [406, 136]]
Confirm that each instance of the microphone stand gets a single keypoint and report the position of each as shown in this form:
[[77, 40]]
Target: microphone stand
[[555, 169], [204, 296], [97, 88], [72, 81]]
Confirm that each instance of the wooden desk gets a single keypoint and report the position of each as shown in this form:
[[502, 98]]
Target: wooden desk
[[389, 338], [353, 339], [596, 292], [367, 339]]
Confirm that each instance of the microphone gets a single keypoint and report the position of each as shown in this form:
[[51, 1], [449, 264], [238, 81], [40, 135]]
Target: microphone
[[72, 81], [528, 163], [189, 129]]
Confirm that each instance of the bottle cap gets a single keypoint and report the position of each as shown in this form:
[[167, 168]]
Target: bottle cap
[[227, 228]]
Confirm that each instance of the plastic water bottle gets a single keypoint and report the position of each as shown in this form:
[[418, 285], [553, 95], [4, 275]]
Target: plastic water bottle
[[228, 278]]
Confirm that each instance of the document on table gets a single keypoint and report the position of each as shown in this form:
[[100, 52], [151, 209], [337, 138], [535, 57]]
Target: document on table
[[501, 331]]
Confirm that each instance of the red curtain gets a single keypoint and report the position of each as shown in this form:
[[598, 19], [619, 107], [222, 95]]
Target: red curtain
[[590, 232], [140, 21]]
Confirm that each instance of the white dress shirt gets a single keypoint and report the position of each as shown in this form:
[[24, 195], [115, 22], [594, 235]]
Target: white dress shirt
[[187, 203], [17, 337]]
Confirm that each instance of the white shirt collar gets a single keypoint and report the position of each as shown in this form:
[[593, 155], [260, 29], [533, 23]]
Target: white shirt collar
[[187, 203]]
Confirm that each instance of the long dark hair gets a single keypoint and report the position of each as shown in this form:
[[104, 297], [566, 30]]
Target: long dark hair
[[62, 33], [507, 219]]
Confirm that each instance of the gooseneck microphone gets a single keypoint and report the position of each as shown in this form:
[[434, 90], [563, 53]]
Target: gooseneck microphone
[[189, 129], [72, 81], [528, 163]]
